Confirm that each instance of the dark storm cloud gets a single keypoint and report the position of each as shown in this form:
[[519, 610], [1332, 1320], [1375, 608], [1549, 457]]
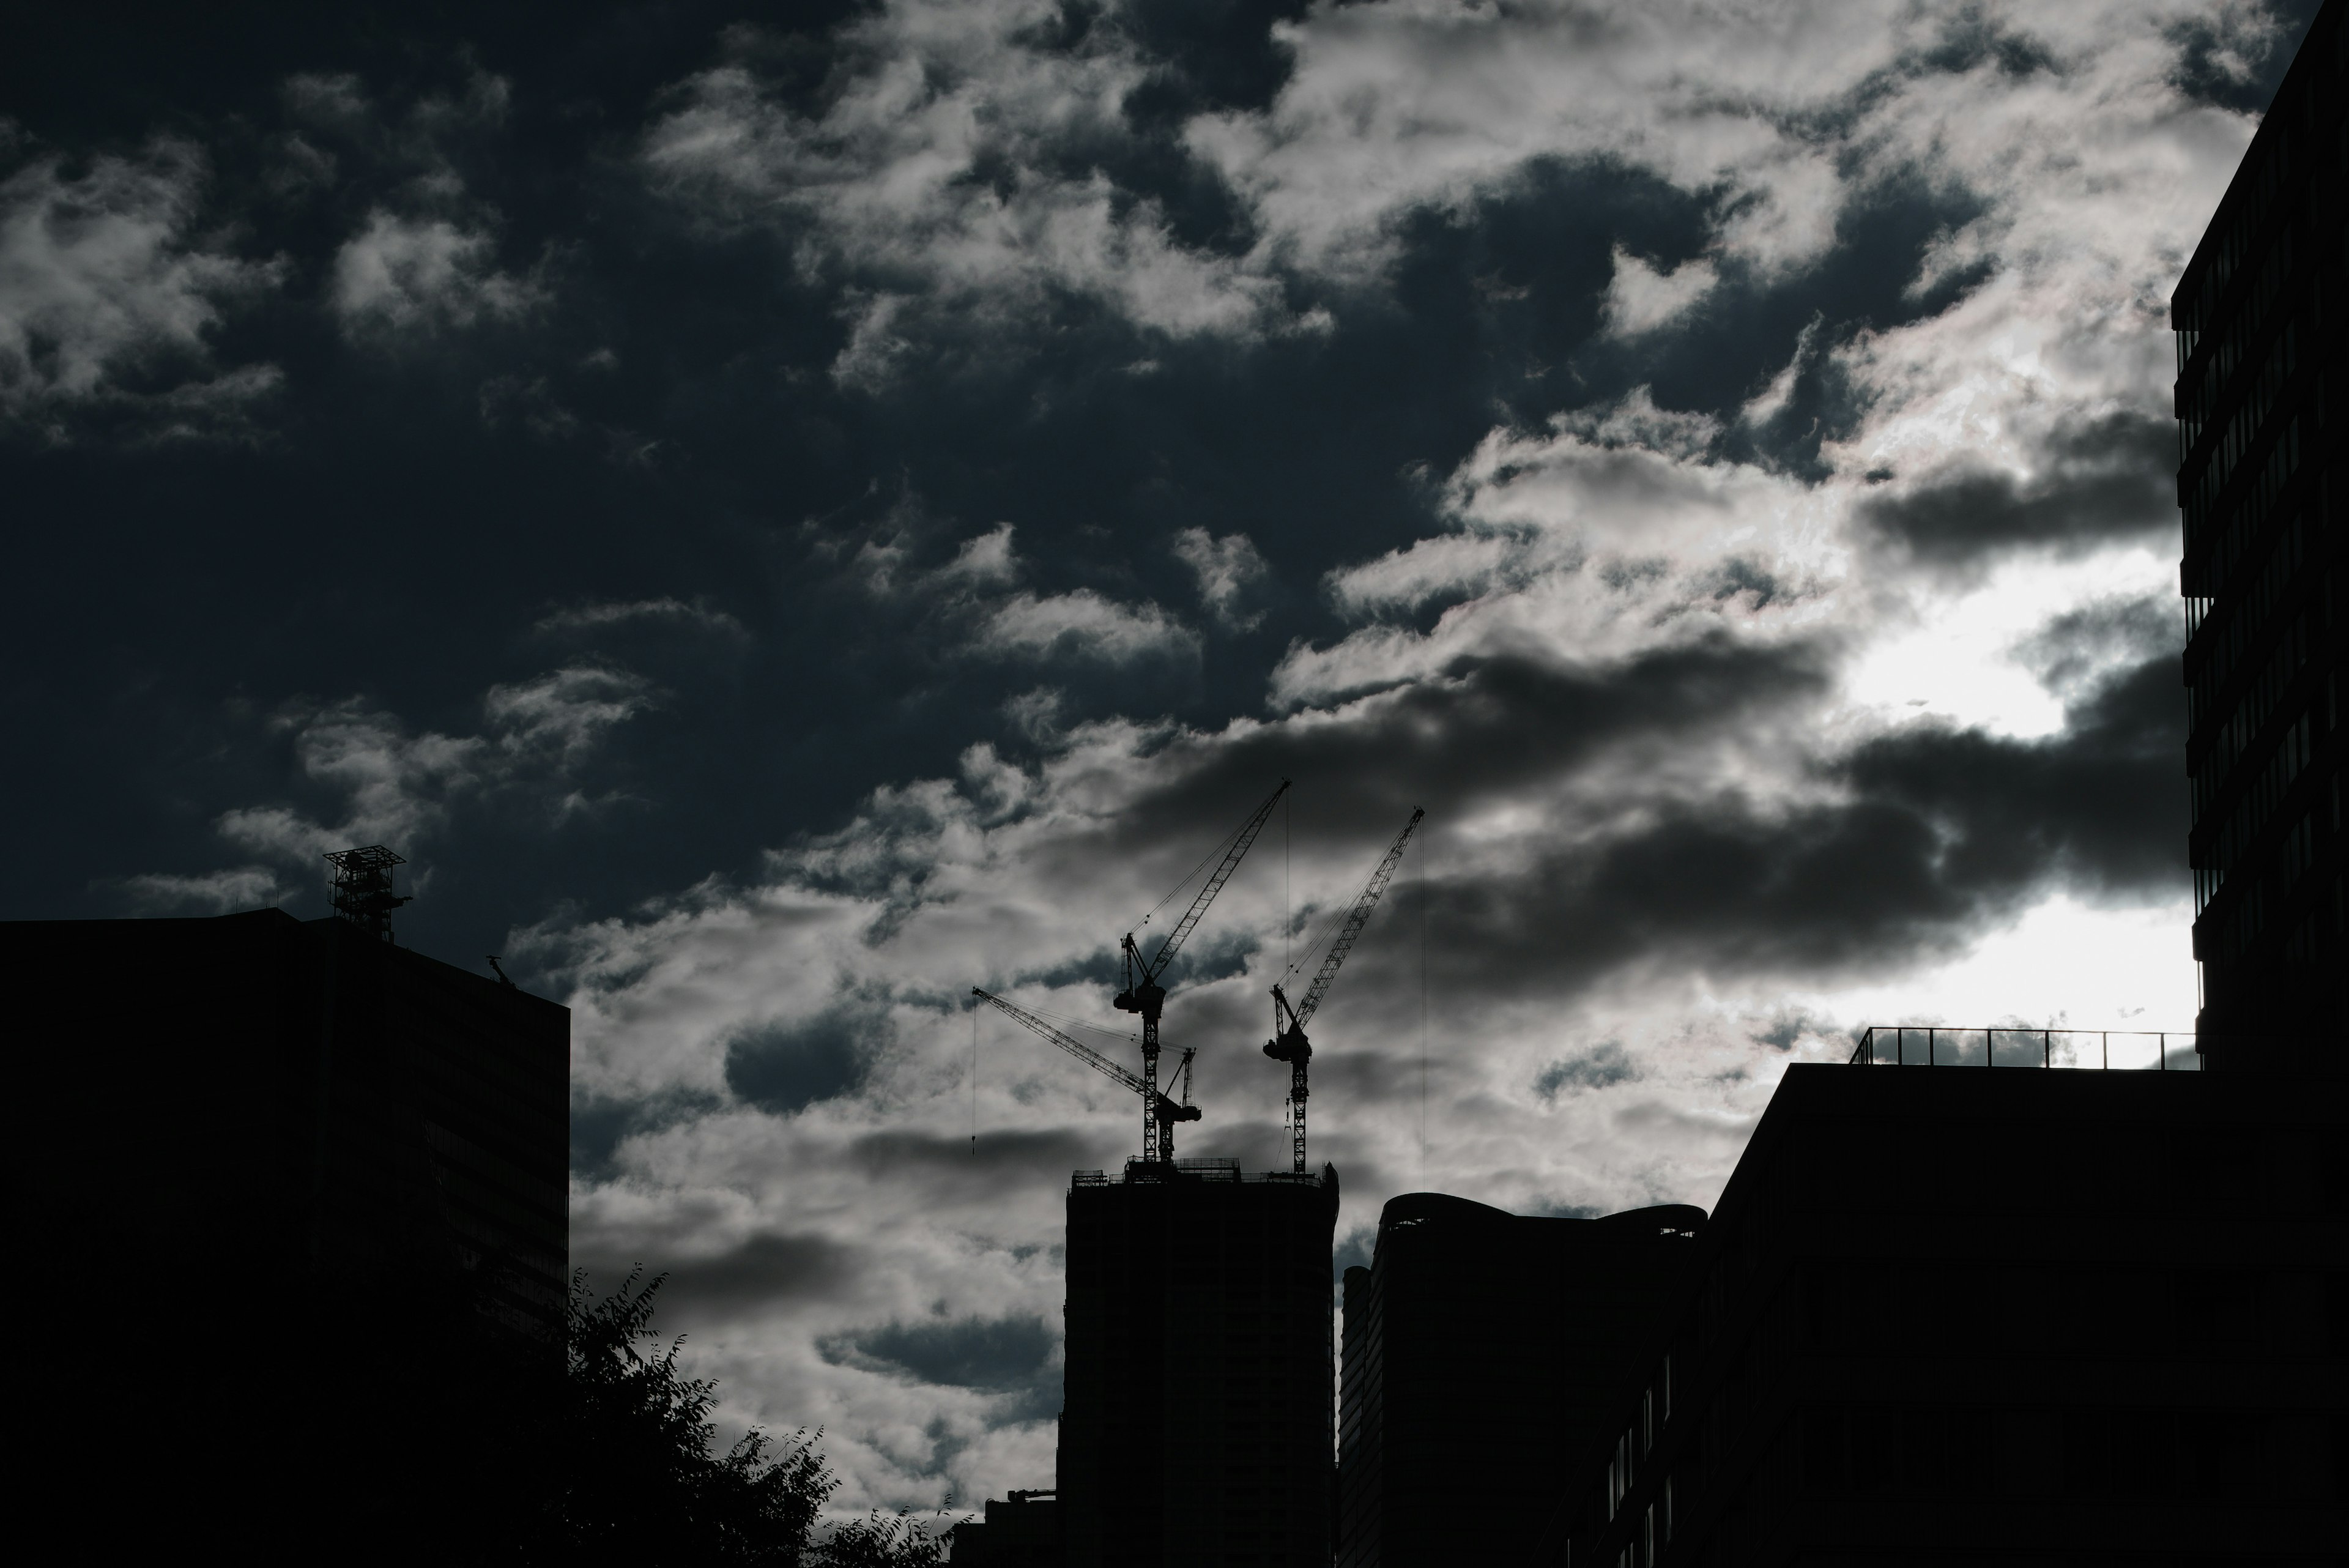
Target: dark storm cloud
[[2235, 59], [1721, 888], [1524, 276], [1790, 1027], [785, 1068], [1488, 726], [990, 1354], [763, 1274], [2100, 806], [1941, 830], [2105, 478], [1603, 1064], [600, 1125], [2088, 640], [1936, 830], [994, 1156]]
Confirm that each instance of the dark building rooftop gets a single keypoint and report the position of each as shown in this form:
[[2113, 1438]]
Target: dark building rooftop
[[2031, 1317], [1022, 1530], [1482, 1350], [257, 1158]]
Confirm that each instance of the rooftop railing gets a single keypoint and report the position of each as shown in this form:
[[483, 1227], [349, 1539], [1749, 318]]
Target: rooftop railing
[[1213, 1168], [2002, 1045]]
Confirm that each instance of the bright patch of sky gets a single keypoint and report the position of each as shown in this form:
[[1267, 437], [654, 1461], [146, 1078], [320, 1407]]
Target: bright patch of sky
[[1951, 655]]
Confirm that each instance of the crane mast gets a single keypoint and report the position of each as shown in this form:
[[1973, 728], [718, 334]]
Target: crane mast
[[1165, 1110], [1288, 1043], [1143, 994]]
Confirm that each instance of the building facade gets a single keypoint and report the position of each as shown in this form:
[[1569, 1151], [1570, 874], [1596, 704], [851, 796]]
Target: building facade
[[2024, 1315], [1196, 1427], [1022, 1530], [2262, 374], [279, 1181], [1483, 1352], [294, 1098]]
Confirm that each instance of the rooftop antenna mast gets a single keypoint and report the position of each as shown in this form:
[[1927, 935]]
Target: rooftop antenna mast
[[1143, 994], [362, 887], [1288, 1043]]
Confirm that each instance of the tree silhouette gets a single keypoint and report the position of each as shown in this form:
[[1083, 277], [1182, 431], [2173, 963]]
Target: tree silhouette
[[881, 1541], [641, 1482]]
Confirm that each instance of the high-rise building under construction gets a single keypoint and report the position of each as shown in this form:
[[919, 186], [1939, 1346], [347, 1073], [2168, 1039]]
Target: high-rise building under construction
[[1197, 1424], [2259, 317]]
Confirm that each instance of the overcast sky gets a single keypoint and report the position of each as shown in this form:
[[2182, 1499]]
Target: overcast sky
[[784, 519]]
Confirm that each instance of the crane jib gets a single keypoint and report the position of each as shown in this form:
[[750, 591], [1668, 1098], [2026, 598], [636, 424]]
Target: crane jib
[[1191, 917], [1074, 1047], [1288, 1043], [1355, 920]]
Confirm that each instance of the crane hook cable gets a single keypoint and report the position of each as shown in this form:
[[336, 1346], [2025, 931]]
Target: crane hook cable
[[1211, 858]]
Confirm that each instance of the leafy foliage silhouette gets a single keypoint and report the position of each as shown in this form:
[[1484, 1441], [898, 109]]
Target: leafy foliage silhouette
[[642, 1484]]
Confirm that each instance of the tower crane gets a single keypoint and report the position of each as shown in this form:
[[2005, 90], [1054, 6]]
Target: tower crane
[[1288, 1043], [1159, 1110], [1143, 994]]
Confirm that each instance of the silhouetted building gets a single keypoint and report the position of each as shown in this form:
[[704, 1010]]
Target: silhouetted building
[[1195, 1425], [271, 1176], [1022, 1530], [1483, 1354], [295, 1095], [1966, 1314], [2259, 317]]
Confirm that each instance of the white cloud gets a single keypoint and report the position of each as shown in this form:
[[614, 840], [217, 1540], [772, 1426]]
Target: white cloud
[[1083, 624], [1618, 530], [1640, 299], [213, 893], [1774, 115], [1574, 549], [562, 712], [1771, 401], [662, 611], [984, 561], [1404, 105], [398, 787], [932, 181], [421, 274], [975, 606], [1947, 654], [1229, 570], [2063, 964], [947, 184], [331, 98], [108, 299]]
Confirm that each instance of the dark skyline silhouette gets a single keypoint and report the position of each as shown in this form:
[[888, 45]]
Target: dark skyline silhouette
[[293, 1211], [1967, 1314], [1482, 1357], [780, 519]]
